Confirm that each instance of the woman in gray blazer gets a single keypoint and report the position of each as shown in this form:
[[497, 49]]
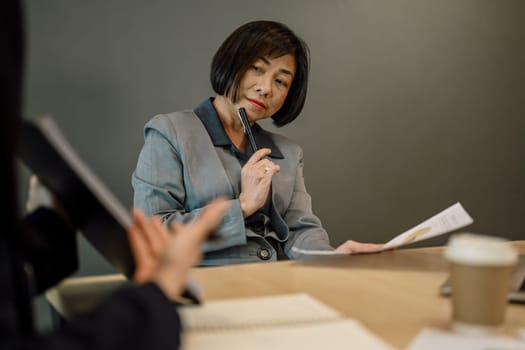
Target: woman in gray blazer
[[190, 157]]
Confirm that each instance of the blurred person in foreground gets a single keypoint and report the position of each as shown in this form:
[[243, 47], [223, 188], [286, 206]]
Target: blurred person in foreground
[[38, 250]]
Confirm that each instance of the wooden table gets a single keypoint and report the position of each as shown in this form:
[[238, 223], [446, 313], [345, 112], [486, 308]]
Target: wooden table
[[394, 293]]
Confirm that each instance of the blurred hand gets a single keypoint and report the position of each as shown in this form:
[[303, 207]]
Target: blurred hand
[[256, 178], [165, 256], [353, 247]]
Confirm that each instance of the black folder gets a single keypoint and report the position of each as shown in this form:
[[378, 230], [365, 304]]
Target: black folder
[[91, 206]]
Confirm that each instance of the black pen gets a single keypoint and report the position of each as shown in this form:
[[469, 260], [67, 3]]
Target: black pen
[[247, 128], [188, 297]]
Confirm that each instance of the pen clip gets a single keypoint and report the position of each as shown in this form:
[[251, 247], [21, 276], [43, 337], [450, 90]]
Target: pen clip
[[242, 116]]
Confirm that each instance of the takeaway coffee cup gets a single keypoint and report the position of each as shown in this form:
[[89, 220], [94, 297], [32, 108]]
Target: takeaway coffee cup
[[480, 276]]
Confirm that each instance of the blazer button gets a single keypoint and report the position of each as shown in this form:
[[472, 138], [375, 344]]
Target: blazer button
[[264, 253]]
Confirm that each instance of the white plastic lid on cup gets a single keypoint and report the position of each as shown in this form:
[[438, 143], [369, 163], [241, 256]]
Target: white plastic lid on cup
[[477, 249]]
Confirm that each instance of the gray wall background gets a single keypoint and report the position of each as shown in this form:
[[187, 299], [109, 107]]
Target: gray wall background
[[413, 105]]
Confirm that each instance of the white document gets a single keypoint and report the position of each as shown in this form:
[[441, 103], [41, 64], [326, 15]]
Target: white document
[[450, 219], [316, 252], [294, 321], [433, 339]]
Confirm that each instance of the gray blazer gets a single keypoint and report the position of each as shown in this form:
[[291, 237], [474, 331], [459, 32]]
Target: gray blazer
[[179, 171]]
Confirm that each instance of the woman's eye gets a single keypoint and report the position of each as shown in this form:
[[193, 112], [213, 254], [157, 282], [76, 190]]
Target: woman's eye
[[257, 69], [281, 82]]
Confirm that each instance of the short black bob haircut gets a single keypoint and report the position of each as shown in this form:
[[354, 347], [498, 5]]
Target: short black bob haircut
[[246, 45]]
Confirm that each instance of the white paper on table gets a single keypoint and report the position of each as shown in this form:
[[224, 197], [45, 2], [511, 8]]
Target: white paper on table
[[316, 252], [450, 219], [433, 339], [287, 321]]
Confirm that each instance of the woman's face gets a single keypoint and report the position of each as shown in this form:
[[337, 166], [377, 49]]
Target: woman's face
[[265, 85]]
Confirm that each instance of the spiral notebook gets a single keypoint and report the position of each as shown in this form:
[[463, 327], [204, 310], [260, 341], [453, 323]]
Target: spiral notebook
[[291, 321]]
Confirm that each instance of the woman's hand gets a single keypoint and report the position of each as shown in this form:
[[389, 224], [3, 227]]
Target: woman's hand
[[353, 247], [256, 178], [165, 257]]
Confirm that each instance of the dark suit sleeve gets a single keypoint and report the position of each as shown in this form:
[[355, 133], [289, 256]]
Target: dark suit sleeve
[[136, 317], [48, 242]]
